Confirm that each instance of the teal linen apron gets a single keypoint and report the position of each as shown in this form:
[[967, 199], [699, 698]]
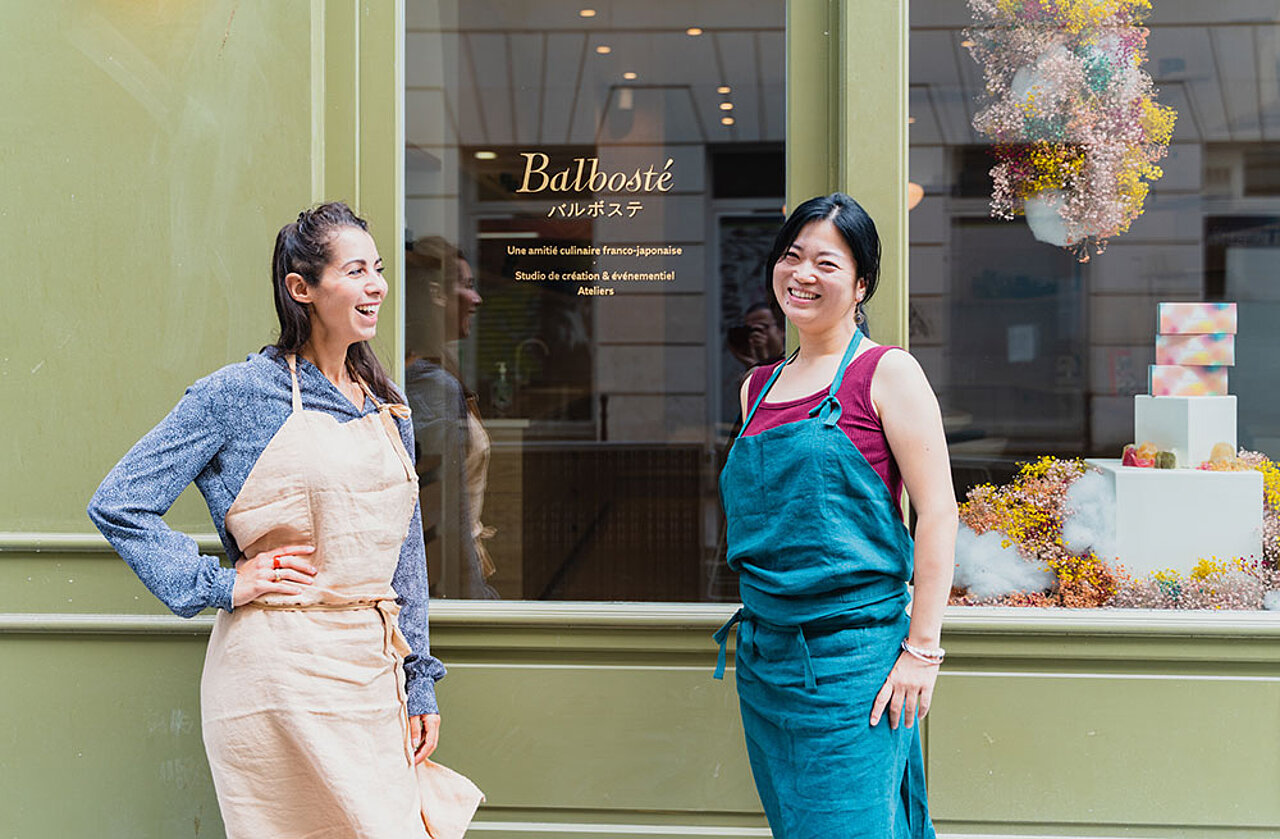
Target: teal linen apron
[[823, 559]]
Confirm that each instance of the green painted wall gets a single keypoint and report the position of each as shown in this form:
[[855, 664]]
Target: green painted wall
[[150, 151]]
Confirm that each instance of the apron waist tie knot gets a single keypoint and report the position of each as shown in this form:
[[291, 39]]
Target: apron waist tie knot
[[721, 637]]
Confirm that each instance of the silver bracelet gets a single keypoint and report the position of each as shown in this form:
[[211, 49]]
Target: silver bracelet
[[927, 656]]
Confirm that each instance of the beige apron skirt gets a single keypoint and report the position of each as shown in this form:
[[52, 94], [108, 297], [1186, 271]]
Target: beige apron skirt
[[303, 696]]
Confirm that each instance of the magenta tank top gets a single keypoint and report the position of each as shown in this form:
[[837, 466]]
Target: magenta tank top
[[858, 420]]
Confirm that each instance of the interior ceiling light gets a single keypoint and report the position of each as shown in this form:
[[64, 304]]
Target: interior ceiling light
[[486, 155], [630, 76], [604, 50], [726, 106], [724, 89], [911, 120], [695, 31], [726, 120], [586, 13]]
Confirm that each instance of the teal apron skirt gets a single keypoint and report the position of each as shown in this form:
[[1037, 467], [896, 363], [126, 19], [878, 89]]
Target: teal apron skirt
[[823, 560]]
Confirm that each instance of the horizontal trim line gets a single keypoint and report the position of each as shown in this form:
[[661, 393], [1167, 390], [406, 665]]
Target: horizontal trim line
[[563, 828], [36, 541], [959, 623], [97, 624]]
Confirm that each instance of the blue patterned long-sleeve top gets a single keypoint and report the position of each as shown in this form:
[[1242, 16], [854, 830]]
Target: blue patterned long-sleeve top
[[213, 437]]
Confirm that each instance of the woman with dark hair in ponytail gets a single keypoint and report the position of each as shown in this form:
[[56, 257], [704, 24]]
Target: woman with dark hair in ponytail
[[832, 671], [318, 694]]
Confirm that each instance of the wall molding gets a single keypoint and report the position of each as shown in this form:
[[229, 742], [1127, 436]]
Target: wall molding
[[39, 541]]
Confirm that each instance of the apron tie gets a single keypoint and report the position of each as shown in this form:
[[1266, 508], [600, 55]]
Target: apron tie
[[721, 637], [828, 410], [396, 647], [810, 678]]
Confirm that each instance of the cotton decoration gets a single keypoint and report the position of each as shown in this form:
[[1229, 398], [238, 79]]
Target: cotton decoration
[[1073, 117]]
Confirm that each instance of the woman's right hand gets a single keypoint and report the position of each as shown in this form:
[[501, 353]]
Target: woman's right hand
[[279, 571]]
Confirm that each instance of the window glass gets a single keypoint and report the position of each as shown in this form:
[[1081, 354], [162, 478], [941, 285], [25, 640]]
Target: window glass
[[1034, 352], [590, 190]]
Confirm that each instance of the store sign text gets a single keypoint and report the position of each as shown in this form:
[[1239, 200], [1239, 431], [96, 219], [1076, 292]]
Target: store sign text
[[585, 175]]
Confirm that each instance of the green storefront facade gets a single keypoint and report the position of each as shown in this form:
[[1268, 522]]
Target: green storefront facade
[[149, 151]]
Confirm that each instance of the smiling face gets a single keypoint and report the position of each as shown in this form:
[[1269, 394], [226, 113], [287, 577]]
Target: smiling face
[[816, 280], [343, 306]]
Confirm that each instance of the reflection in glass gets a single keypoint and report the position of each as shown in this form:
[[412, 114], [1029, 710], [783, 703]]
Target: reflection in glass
[[600, 365], [452, 446], [1033, 353]]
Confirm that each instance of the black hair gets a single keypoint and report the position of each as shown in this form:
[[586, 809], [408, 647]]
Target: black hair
[[855, 226], [303, 248]]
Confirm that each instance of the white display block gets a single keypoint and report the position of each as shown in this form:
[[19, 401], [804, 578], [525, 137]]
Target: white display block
[[1173, 518], [1188, 426]]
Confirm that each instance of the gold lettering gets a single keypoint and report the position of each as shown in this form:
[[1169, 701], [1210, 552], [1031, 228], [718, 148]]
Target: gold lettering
[[529, 169]]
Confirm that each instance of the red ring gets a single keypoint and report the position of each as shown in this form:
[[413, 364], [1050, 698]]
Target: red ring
[[275, 562]]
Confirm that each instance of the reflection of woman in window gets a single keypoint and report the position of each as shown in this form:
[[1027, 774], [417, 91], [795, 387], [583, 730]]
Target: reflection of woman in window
[[453, 447], [302, 455], [825, 648]]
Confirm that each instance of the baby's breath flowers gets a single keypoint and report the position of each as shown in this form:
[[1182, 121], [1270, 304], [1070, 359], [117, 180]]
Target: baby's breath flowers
[[1029, 513], [1072, 116]]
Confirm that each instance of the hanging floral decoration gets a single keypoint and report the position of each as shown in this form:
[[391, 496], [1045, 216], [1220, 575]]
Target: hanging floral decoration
[[1073, 117]]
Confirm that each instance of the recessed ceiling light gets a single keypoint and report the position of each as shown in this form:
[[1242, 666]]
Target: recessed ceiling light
[[486, 155], [726, 120], [724, 88], [726, 106], [630, 76], [586, 13], [604, 50], [695, 31]]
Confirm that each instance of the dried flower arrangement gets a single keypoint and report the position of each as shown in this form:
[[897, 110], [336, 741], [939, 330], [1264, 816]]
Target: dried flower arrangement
[[1029, 514], [1074, 120]]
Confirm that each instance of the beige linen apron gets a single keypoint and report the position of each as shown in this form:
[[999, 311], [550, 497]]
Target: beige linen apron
[[303, 696], [477, 468]]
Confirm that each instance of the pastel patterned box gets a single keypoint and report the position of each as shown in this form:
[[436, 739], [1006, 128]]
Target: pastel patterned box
[[1196, 318], [1196, 349], [1183, 380]]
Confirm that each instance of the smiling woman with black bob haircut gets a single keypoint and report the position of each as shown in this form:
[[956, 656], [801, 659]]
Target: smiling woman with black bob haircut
[[318, 694], [832, 672]]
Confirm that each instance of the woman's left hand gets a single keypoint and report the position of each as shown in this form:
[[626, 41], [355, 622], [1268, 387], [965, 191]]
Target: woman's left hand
[[907, 692], [425, 730]]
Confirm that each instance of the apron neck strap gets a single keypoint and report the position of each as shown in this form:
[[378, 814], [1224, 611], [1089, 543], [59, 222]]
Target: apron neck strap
[[293, 374], [765, 390], [829, 410]]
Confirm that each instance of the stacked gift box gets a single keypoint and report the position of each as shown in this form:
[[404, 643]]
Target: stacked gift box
[[1187, 409]]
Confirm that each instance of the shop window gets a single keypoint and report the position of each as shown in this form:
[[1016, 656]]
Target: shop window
[[1033, 351], [590, 190]]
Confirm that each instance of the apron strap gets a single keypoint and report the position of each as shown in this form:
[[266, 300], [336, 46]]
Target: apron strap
[[829, 410], [765, 390], [721, 637], [293, 373]]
